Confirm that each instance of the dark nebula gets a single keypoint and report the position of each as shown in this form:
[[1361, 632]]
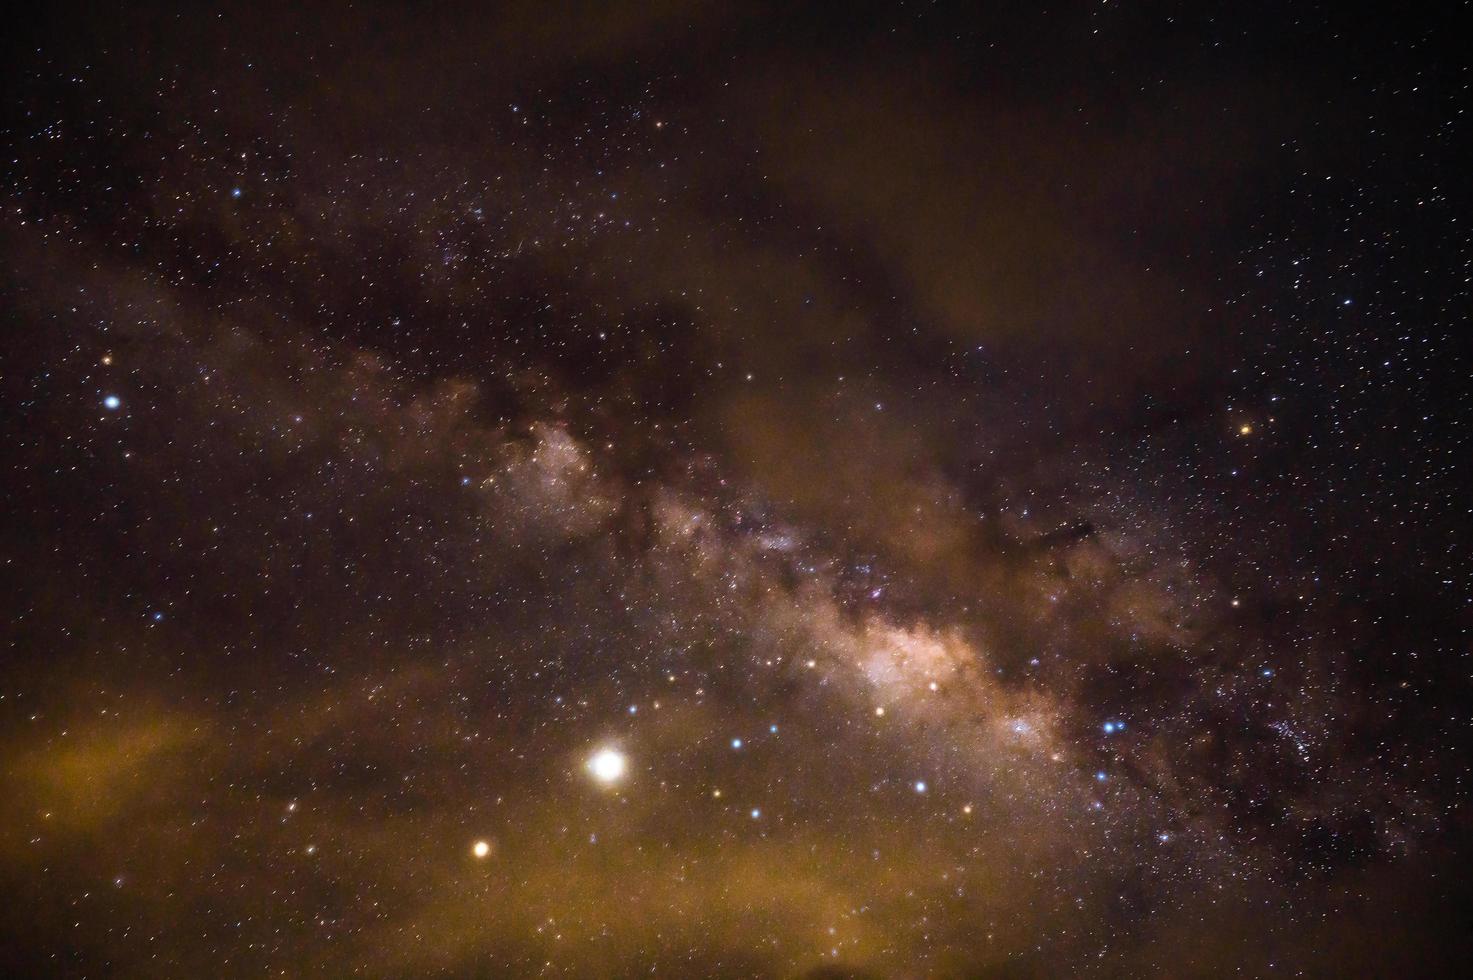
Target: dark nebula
[[736, 490]]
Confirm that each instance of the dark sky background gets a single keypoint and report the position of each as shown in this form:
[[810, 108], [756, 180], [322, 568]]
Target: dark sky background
[[704, 489]]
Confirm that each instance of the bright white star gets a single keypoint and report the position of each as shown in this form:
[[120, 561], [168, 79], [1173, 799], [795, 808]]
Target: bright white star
[[608, 765]]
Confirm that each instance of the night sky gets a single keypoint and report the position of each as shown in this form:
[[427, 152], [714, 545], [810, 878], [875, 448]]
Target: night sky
[[736, 490]]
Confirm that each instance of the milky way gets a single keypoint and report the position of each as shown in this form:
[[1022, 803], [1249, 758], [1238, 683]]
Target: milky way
[[662, 489]]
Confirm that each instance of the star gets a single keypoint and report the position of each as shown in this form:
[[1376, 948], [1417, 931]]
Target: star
[[608, 765]]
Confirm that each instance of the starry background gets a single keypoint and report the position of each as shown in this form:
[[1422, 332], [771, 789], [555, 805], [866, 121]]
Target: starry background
[[694, 489]]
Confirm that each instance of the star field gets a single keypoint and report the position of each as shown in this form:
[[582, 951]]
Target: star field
[[735, 490]]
